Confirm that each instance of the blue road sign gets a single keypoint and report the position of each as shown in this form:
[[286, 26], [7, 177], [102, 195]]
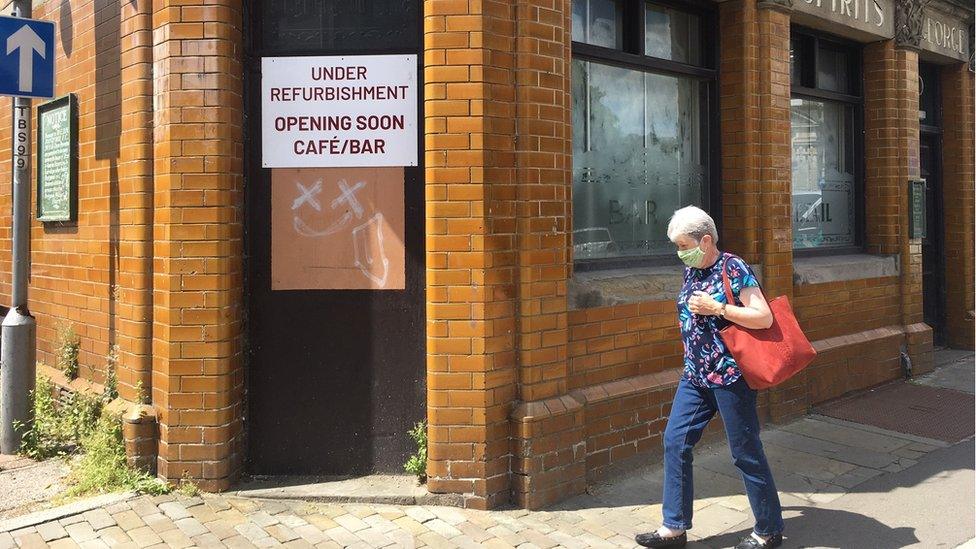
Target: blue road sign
[[26, 57]]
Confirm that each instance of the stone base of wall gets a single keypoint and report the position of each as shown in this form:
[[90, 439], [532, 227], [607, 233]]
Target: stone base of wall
[[854, 362], [920, 348], [625, 418], [561, 443], [548, 454]]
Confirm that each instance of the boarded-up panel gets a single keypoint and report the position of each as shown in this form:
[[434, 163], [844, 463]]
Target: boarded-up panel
[[337, 229]]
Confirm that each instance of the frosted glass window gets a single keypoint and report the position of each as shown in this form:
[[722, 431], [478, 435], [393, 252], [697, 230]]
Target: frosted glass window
[[832, 70], [672, 34], [598, 22], [823, 174], [638, 155]]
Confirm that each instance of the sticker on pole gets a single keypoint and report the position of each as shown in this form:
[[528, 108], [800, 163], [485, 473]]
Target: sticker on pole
[[339, 111], [26, 57]]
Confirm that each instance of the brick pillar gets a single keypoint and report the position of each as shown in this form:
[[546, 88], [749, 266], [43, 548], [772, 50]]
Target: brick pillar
[[197, 377], [740, 115], [891, 159], [775, 154], [498, 259], [958, 203], [550, 449], [791, 399], [756, 171], [135, 202], [470, 192], [756, 157]]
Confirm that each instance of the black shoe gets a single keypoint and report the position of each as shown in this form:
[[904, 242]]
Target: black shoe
[[749, 542], [652, 539]]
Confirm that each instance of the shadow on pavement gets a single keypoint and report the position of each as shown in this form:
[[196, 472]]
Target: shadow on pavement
[[830, 528]]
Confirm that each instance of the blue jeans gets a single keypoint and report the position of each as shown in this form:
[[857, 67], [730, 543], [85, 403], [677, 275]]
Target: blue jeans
[[693, 408]]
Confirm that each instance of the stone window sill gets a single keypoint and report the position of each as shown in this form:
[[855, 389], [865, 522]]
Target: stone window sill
[[603, 288], [838, 268]]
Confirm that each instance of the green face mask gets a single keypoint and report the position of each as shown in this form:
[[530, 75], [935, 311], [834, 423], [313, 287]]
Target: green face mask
[[692, 257]]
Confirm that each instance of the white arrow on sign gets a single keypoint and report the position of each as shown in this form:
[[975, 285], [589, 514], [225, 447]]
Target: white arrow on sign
[[27, 41]]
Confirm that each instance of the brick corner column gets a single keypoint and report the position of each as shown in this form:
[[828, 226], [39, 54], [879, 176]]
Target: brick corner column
[[197, 282], [891, 144], [958, 203], [548, 427], [470, 194]]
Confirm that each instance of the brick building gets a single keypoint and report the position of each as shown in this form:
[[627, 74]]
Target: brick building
[[524, 302]]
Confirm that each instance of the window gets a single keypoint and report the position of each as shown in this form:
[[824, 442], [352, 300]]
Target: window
[[825, 122], [643, 85]]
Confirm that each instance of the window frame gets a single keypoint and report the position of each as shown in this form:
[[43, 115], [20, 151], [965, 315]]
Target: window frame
[[935, 71], [631, 56], [855, 76]]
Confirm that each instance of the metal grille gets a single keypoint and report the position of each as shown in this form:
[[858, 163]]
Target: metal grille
[[941, 414]]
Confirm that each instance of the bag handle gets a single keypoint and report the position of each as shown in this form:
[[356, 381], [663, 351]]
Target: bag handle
[[729, 297]]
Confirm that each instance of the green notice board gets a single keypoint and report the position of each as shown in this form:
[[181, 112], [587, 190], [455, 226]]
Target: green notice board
[[57, 160], [916, 208]]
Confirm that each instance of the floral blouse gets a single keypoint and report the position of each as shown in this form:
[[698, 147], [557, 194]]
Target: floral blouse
[[708, 364]]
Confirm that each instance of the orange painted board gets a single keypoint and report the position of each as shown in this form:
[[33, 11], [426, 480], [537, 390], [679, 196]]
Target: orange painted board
[[337, 229]]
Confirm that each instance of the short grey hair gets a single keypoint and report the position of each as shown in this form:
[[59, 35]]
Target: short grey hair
[[691, 221]]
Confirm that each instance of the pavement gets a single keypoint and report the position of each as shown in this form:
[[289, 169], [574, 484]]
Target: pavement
[[27, 485], [842, 485]]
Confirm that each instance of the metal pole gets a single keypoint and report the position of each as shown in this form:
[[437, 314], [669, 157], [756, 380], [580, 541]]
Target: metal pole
[[18, 333]]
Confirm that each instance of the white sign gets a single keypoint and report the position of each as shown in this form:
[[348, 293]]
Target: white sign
[[351, 111]]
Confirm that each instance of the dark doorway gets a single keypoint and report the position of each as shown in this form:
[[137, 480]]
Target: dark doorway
[[335, 378], [930, 159]]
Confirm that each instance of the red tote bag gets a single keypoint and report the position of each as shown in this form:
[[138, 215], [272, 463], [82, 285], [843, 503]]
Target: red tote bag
[[768, 357]]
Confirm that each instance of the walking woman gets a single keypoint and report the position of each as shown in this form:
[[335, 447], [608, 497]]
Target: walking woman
[[712, 383]]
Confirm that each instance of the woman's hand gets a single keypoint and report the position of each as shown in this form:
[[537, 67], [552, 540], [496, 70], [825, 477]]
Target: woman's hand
[[701, 303]]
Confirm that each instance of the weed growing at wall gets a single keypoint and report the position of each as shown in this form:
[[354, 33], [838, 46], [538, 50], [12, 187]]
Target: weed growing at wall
[[111, 377], [102, 466], [68, 347], [417, 464], [58, 427], [78, 428], [187, 487]]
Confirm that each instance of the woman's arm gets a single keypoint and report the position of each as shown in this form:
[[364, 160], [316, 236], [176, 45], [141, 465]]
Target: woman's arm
[[754, 312]]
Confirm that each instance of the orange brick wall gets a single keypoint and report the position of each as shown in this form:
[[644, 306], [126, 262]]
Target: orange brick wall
[[853, 362], [958, 203], [610, 399], [740, 116], [891, 144], [471, 277], [82, 273], [891, 158], [135, 202], [839, 308], [198, 261], [776, 220], [611, 343], [550, 469]]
